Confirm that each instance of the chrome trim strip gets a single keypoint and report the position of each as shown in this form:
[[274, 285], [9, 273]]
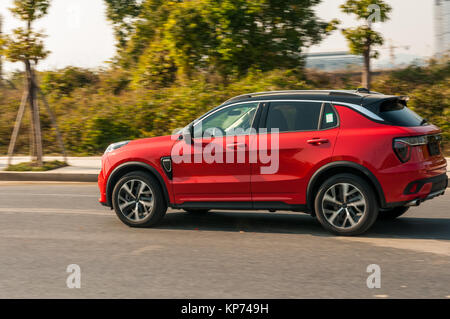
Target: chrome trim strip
[[361, 109]]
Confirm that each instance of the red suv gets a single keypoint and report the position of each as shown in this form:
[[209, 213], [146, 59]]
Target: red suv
[[346, 157]]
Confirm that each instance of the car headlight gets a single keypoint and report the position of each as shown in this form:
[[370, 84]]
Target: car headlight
[[115, 146]]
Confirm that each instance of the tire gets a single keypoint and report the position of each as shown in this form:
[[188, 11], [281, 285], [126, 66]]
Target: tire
[[393, 213], [348, 216], [196, 211], [148, 200]]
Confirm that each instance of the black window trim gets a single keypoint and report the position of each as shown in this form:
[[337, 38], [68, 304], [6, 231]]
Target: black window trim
[[265, 111], [338, 121]]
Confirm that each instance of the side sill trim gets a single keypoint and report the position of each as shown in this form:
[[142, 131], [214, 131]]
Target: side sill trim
[[241, 206]]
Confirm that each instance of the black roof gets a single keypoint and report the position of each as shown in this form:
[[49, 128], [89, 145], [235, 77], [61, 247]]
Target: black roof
[[361, 97]]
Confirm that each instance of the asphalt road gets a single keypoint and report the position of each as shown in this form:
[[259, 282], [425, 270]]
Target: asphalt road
[[46, 227]]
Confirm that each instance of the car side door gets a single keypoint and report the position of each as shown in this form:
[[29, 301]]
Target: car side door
[[307, 135], [219, 170]]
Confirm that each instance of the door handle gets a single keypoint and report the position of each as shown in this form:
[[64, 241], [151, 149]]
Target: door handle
[[236, 146], [318, 141]]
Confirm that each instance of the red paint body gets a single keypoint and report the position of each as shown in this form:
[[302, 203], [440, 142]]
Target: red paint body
[[357, 139]]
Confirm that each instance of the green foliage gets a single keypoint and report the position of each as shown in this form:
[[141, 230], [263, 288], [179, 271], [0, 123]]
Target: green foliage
[[155, 68], [362, 38], [24, 44], [364, 9], [30, 10], [65, 81], [122, 14], [226, 37], [34, 167]]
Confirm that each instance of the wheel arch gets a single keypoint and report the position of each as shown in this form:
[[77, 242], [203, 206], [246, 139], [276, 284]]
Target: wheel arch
[[342, 167], [128, 167]]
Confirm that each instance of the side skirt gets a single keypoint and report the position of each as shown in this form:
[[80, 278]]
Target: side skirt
[[241, 206]]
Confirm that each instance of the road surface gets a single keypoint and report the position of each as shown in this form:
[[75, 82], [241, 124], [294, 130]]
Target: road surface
[[45, 227]]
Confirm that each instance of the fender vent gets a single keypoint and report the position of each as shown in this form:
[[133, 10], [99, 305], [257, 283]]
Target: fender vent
[[166, 163]]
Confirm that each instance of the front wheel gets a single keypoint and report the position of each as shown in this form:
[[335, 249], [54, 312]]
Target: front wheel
[[392, 213], [346, 205], [138, 200]]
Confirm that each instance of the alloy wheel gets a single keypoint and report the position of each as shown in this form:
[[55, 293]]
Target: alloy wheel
[[344, 205], [136, 200]]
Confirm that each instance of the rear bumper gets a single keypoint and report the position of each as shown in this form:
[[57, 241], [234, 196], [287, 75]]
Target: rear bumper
[[438, 183], [422, 190]]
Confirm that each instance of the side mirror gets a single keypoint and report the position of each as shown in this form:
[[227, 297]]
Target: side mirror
[[187, 134]]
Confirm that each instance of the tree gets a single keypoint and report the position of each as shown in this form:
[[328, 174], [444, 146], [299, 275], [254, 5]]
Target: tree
[[364, 38], [25, 45], [122, 14], [1, 45], [226, 37]]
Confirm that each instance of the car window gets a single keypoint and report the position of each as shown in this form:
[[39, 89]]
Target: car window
[[293, 116], [396, 113], [329, 117], [228, 120]]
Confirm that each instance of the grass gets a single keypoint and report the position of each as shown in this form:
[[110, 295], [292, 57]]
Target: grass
[[33, 167]]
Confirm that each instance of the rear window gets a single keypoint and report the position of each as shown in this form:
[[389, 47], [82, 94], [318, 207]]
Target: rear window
[[293, 116], [329, 117], [396, 113]]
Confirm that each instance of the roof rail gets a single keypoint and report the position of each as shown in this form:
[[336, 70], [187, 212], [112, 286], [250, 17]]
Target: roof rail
[[357, 92]]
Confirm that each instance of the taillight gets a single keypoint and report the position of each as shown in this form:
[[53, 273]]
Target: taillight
[[403, 146]]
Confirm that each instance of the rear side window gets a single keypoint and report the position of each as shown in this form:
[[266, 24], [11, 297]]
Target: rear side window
[[293, 116], [396, 113], [329, 118]]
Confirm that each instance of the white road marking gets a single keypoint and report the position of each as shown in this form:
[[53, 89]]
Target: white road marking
[[53, 195], [439, 247], [14, 210], [22, 183]]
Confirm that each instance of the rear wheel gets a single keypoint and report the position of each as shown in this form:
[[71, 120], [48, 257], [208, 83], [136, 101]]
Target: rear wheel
[[196, 211], [346, 205], [392, 213], [138, 200]]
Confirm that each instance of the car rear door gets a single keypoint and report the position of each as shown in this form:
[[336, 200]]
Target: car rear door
[[307, 134]]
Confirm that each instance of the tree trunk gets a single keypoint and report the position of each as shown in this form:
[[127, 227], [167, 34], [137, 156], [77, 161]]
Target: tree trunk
[[12, 143], [366, 76], [36, 143]]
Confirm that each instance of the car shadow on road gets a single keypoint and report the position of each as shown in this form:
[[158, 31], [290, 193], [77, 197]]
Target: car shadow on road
[[291, 223]]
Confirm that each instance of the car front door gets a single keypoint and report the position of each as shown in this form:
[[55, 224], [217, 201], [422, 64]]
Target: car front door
[[307, 134], [218, 170]]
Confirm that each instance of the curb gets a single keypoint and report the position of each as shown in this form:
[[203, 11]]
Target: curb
[[46, 177]]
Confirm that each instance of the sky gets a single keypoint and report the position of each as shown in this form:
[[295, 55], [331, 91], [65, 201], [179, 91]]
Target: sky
[[78, 33]]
